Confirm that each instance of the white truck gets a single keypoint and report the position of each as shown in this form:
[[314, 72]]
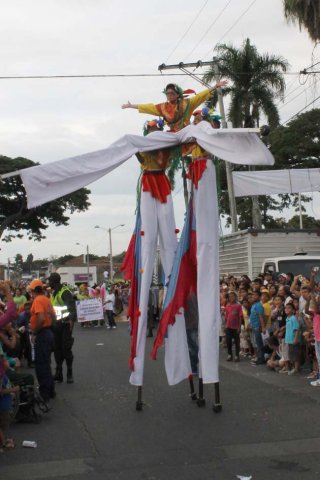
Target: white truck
[[250, 252]]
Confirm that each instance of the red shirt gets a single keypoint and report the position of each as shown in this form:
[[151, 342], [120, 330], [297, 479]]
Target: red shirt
[[233, 315]]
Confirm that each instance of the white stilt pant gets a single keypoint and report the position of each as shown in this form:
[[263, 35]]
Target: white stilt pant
[[158, 219], [205, 207]]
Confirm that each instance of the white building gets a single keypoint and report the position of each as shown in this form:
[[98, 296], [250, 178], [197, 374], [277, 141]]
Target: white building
[[75, 275]]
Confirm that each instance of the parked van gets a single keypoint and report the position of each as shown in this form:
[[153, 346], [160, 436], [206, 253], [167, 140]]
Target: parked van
[[296, 264]]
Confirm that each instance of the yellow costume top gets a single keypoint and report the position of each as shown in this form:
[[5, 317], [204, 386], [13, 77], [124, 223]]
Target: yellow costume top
[[177, 115], [155, 160]]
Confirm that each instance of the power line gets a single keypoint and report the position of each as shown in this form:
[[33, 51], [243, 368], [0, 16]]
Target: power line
[[233, 25], [110, 75], [303, 91], [188, 29], [311, 66], [313, 101], [207, 31]]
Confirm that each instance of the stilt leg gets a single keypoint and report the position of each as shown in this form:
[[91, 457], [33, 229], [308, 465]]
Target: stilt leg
[[201, 402], [139, 403], [217, 406], [193, 394]]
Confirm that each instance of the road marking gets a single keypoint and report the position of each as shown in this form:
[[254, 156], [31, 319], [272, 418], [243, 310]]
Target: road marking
[[52, 469], [270, 449]]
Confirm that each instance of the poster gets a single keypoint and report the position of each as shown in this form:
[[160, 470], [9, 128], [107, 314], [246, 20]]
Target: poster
[[89, 310]]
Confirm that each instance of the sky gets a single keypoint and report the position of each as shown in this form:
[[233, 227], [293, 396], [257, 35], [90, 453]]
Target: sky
[[51, 119]]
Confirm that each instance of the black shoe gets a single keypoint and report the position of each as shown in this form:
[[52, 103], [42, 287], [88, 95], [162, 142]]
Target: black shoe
[[69, 376], [58, 376]]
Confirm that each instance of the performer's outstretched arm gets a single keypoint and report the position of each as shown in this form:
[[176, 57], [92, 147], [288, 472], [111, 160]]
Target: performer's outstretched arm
[[129, 105]]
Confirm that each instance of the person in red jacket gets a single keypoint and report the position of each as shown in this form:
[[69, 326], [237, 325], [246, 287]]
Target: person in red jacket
[[234, 318]]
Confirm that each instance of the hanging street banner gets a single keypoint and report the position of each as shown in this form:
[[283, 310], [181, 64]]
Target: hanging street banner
[[276, 182]]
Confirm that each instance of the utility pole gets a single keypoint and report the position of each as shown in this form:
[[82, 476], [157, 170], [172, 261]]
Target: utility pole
[[111, 260], [214, 63], [88, 266], [232, 198]]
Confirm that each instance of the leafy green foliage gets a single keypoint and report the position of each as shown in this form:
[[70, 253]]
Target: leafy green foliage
[[306, 13], [14, 214], [256, 81]]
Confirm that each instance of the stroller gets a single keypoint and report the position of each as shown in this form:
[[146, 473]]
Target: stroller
[[27, 404]]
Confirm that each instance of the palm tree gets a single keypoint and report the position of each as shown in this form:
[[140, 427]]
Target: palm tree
[[257, 80], [306, 13]]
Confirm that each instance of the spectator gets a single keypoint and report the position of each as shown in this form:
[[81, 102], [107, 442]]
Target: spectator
[[10, 313], [42, 318], [108, 305], [265, 299], [234, 318], [257, 325], [6, 392], [314, 311], [22, 324], [19, 299], [292, 338]]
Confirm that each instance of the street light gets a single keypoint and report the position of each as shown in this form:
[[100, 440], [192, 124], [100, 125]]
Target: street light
[[88, 264], [109, 230]]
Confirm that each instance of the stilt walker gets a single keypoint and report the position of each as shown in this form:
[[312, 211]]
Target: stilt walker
[[196, 266], [155, 219]]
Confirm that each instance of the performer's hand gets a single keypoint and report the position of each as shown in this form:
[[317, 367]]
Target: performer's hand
[[127, 105], [223, 83]]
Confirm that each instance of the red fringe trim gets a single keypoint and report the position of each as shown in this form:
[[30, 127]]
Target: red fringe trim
[[133, 308], [196, 169], [158, 185], [187, 283], [127, 265]]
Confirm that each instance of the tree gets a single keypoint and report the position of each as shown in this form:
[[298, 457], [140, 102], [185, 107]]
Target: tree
[[298, 144], [308, 222], [257, 80], [306, 13], [14, 214]]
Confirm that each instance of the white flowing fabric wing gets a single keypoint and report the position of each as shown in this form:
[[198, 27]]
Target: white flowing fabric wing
[[44, 183], [273, 182]]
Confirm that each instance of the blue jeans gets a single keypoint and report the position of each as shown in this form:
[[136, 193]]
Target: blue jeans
[[259, 342]]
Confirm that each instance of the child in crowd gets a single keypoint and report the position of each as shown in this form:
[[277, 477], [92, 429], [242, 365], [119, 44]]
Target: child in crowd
[[234, 318], [245, 343], [257, 325], [265, 300], [275, 362], [312, 308], [6, 392], [292, 338]]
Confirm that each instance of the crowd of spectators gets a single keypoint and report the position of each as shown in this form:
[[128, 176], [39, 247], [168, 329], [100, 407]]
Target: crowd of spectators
[[26, 343], [273, 320]]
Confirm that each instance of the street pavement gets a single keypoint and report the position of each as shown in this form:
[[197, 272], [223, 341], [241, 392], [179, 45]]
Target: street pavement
[[269, 426]]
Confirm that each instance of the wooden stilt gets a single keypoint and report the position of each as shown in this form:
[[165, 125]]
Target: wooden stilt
[[139, 403], [217, 406], [193, 394], [201, 402]]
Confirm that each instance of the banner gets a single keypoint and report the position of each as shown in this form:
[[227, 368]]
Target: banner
[[276, 182], [89, 310]]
